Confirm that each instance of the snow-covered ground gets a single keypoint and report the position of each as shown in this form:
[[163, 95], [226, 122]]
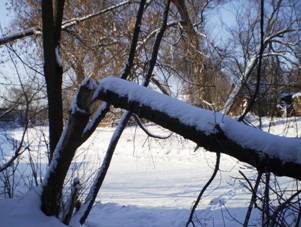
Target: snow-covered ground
[[150, 182]]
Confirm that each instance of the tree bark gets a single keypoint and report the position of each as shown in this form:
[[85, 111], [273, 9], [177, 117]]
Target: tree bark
[[52, 12]]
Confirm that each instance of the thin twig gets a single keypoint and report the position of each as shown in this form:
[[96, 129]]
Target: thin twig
[[216, 168], [147, 132], [253, 198]]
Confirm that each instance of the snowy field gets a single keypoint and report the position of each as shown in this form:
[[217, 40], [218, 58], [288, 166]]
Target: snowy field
[[150, 182]]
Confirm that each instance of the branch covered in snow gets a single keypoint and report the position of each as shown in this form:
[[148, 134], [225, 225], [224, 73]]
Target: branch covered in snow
[[19, 35], [66, 24], [74, 21], [211, 130]]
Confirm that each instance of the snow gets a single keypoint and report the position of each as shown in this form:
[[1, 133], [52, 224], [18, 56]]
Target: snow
[[106, 161], [150, 182], [99, 112], [134, 216], [56, 155], [58, 56], [283, 148], [6, 144], [89, 84], [25, 212], [297, 95]]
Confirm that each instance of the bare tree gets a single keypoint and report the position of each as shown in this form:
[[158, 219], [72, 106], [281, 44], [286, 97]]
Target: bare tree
[[279, 39]]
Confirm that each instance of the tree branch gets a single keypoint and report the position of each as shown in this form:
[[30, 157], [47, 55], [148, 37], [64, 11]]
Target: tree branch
[[258, 78], [216, 168], [147, 132]]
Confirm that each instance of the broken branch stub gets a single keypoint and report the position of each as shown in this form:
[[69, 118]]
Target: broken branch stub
[[65, 150]]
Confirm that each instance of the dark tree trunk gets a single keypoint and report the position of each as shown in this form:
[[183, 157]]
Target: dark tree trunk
[[52, 12]]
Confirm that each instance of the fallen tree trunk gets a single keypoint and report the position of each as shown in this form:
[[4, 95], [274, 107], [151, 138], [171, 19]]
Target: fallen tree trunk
[[211, 130]]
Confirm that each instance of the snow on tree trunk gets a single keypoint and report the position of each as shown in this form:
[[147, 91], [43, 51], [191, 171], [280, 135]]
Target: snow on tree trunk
[[64, 152]]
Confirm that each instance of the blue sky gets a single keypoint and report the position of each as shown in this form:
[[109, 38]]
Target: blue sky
[[5, 16], [220, 19]]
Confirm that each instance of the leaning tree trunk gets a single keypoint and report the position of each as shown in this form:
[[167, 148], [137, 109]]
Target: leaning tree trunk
[[65, 150]]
